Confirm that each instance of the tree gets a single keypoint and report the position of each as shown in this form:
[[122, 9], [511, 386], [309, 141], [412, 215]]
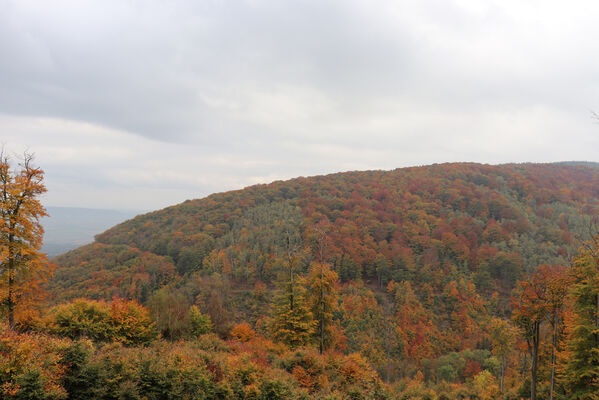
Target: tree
[[243, 332], [199, 323], [558, 282], [293, 321], [502, 339], [541, 298], [582, 369], [323, 301], [292, 249], [529, 313], [22, 265], [169, 309]]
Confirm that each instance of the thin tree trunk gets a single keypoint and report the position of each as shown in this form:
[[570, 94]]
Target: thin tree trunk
[[10, 302], [290, 263], [553, 349], [535, 358], [596, 319], [292, 288], [387, 349], [502, 372], [321, 347]]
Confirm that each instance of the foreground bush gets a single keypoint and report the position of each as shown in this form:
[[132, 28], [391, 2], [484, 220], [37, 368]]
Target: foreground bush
[[30, 366], [122, 321], [39, 366]]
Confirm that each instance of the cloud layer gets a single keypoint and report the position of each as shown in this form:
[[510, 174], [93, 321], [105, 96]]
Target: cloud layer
[[143, 104]]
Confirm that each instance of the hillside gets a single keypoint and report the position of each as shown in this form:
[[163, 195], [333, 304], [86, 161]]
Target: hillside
[[425, 255]]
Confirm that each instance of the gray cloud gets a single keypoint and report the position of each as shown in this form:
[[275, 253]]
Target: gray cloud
[[179, 99]]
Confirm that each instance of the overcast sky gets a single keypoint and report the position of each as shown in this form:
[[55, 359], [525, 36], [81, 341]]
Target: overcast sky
[[142, 104]]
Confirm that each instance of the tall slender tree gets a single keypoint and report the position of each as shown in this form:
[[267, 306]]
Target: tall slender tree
[[502, 335], [582, 370], [529, 313], [557, 282], [539, 299], [22, 265], [322, 297], [293, 321]]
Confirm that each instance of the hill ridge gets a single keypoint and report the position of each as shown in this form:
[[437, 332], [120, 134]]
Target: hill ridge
[[456, 236]]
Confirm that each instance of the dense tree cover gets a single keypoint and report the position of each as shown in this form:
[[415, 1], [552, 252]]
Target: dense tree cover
[[106, 271], [429, 274], [494, 220]]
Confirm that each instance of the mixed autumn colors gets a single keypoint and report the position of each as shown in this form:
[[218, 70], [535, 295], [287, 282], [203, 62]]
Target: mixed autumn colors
[[452, 281]]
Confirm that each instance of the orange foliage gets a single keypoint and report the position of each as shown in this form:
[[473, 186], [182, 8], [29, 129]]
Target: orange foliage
[[243, 332]]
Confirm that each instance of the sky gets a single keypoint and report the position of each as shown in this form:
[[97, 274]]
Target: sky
[[143, 104]]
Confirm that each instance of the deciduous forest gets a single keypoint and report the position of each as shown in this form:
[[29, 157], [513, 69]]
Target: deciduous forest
[[451, 281]]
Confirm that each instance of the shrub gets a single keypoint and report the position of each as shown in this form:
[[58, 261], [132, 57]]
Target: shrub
[[124, 321], [243, 332]]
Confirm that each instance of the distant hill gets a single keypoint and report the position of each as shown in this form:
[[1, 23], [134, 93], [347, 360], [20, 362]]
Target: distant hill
[[69, 227], [440, 247], [580, 163]]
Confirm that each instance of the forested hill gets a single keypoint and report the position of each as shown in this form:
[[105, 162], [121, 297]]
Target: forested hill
[[441, 247]]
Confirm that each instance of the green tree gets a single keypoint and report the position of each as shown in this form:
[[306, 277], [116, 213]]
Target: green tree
[[582, 369], [503, 336], [169, 309], [199, 323]]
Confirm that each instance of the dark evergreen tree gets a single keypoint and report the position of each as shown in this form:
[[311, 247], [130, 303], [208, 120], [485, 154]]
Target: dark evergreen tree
[[582, 370]]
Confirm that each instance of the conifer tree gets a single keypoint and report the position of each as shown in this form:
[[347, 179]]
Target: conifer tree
[[323, 301], [22, 265], [293, 322], [582, 369]]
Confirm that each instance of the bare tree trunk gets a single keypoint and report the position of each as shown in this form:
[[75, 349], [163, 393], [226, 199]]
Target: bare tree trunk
[[387, 349], [321, 347], [502, 372], [290, 255], [10, 302], [535, 360], [553, 349], [596, 319]]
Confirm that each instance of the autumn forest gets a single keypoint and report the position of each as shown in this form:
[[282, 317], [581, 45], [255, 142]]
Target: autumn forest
[[448, 281]]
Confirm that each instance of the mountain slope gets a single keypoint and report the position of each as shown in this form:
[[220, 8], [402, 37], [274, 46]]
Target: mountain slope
[[442, 246]]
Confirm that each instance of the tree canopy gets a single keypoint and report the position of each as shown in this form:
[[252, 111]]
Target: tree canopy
[[22, 265]]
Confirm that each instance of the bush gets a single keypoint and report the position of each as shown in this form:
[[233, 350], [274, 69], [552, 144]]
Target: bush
[[243, 332], [29, 366], [124, 321]]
